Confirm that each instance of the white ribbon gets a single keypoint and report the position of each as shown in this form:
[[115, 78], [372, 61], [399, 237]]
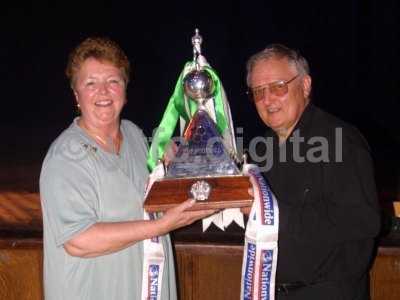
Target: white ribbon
[[261, 241], [153, 253], [153, 267], [224, 218]]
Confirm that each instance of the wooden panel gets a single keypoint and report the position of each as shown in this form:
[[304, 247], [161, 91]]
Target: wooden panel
[[205, 271], [213, 272], [385, 275], [20, 212], [209, 271], [218, 277], [21, 274], [396, 208], [184, 260]]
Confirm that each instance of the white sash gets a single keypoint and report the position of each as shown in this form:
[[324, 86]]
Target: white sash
[[261, 241], [153, 255]]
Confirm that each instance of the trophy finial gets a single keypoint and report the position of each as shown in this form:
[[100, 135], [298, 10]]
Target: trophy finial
[[198, 84], [196, 42]]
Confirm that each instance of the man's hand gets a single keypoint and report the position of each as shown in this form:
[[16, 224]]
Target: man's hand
[[246, 210]]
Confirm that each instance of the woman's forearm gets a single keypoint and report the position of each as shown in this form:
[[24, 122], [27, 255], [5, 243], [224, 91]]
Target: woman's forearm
[[108, 237]]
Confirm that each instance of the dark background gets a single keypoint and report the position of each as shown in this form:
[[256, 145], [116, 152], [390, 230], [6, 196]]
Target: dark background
[[352, 47]]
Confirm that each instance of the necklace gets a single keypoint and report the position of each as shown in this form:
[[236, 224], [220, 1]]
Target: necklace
[[109, 144]]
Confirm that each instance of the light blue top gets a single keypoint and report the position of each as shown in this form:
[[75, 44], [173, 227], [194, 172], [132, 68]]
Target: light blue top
[[81, 184]]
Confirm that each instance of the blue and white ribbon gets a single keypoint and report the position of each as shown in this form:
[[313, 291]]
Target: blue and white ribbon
[[261, 241], [153, 255], [153, 266]]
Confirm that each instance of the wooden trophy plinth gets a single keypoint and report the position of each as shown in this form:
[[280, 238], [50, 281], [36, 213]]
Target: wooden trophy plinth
[[225, 192]]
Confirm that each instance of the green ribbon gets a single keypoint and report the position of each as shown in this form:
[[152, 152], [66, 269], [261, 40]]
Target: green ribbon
[[175, 108], [222, 124]]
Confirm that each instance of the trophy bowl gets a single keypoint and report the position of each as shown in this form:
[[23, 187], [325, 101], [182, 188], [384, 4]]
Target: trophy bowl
[[198, 85]]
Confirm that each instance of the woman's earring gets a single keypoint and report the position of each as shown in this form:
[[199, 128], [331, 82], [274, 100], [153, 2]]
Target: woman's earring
[[78, 109]]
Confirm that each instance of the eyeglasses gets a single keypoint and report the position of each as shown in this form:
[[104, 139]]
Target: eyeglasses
[[277, 88]]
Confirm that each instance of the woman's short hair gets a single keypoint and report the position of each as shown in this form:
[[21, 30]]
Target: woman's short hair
[[100, 48]]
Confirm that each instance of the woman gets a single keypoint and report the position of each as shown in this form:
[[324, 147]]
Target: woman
[[92, 187]]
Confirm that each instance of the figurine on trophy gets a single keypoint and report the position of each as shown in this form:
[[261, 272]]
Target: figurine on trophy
[[205, 164]]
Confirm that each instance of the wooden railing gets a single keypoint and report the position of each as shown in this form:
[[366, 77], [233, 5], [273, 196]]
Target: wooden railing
[[204, 270]]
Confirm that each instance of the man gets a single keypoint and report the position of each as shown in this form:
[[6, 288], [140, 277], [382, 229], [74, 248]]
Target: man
[[321, 173]]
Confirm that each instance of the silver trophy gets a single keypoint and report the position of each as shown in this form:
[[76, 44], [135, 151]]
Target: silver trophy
[[202, 168]]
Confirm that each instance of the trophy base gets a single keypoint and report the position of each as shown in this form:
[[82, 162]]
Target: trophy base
[[225, 192]]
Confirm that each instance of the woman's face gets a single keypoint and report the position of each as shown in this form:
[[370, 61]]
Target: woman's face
[[99, 89]]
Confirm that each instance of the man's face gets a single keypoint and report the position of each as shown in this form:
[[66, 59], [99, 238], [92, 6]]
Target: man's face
[[279, 111]]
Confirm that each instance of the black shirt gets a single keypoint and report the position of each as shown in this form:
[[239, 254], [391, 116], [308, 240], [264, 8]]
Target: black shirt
[[322, 177]]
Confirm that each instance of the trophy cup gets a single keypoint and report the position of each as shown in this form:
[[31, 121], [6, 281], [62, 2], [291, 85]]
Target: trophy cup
[[203, 168]]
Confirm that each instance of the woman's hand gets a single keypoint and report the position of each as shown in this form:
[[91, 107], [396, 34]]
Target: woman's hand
[[180, 216]]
